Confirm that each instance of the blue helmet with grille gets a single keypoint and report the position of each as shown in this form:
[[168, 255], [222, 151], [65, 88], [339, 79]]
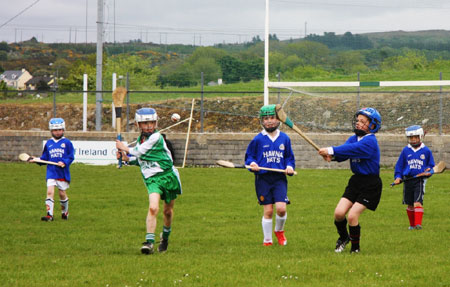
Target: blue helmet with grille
[[56, 124], [145, 115], [414, 130], [374, 116]]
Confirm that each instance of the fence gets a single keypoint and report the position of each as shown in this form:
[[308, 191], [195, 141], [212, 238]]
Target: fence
[[234, 111]]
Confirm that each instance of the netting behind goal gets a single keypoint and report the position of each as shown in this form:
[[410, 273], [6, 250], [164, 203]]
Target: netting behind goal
[[332, 111]]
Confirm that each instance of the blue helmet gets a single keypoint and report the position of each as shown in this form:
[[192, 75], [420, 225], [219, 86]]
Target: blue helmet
[[415, 130], [56, 124], [145, 115], [374, 117]]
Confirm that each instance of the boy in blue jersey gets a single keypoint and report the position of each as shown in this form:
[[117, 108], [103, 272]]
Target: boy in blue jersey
[[364, 187], [271, 148], [60, 150], [415, 160]]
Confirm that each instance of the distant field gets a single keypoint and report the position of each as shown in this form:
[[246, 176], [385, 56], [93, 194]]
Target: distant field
[[216, 238]]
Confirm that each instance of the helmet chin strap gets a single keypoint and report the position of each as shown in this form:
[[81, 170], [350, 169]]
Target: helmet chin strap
[[359, 133], [147, 135], [272, 129], [57, 138]]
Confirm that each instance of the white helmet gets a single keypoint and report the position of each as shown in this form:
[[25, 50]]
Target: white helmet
[[145, 115], [414, 131], [56, 124]]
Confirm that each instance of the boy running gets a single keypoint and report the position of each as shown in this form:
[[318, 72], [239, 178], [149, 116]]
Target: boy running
[[161, 178]]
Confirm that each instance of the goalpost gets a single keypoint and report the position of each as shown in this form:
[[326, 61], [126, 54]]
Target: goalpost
[[268, 84]]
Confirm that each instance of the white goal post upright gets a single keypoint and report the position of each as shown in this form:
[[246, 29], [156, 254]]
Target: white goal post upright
[[266, 56]]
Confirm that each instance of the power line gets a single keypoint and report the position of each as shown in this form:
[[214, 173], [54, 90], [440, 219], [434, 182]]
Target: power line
[[19, 13]]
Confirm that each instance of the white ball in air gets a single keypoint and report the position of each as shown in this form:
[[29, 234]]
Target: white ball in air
[[175, 117]]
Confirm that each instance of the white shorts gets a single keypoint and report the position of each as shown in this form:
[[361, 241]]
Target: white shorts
[[60, 184]]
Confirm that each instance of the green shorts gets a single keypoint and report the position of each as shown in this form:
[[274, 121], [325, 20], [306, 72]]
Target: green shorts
[[167, 184]]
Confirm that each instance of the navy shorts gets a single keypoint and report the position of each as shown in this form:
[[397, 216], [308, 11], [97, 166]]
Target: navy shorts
[[271, 187], [364, 189], [414, 190]]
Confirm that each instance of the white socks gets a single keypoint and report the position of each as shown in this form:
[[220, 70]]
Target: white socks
[[64, 205], [49, 203], [279, 222], [267, 229]]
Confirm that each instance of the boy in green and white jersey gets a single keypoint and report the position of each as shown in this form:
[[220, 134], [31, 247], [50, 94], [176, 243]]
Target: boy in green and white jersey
[[161, 178]]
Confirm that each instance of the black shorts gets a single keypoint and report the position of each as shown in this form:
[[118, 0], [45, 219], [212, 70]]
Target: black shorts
[[364, 189], [414, 190]]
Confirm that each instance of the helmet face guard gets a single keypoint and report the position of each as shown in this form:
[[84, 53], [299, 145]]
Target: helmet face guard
[[415, 130], [56, 124], [145, 115], [374, 119], [265, 111]]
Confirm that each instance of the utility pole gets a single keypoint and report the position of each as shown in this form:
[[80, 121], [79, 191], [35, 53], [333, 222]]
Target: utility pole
[[98, 86], [86, 20], [114, 22], [306, 33]]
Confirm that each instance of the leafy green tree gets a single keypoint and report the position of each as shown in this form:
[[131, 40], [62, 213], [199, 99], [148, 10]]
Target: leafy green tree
[[206, 52], [4, 46], [290, 62], [75, 79], [210, 68], [311, 53], [348, 62], [176, 73], [411, 60], [252, 69], [139, 69], [231, 69], [306, 72], [275, 63], [3, 56]]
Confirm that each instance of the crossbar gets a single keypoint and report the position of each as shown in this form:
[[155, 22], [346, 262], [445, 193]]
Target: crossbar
[[360, 84]]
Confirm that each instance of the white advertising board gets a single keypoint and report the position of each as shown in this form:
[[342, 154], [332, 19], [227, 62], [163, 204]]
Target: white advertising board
[[95, 152]]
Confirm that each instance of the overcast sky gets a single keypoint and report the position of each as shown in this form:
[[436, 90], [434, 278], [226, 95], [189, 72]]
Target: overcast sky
[[206, 22]]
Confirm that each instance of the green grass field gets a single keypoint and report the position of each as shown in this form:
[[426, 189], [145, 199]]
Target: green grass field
[[216, 236]]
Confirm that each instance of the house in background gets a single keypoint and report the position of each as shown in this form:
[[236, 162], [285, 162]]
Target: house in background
[[16, 79], [39, 83]]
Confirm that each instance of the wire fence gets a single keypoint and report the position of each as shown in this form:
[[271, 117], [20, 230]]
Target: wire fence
[[230, 111]]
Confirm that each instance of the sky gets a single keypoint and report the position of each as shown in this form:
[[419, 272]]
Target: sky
[[209, 22]]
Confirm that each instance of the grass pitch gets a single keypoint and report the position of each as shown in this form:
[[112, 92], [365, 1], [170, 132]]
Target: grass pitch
[[216, 236]]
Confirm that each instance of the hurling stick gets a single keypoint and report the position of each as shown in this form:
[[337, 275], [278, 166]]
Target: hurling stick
[[282, 116], [118, 96], [439, 168], [164, 129], [27, 157], [229, 164]]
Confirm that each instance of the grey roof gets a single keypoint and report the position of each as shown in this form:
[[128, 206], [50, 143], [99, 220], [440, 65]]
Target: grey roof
[[11, 75], [36, 80]]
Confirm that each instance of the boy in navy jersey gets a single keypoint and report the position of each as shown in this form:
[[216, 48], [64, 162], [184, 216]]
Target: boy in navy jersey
[[60, 150], [415, 160], [271, 148], [364, 187]]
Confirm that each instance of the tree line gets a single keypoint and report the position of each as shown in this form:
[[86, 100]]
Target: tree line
[[315, 57]]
